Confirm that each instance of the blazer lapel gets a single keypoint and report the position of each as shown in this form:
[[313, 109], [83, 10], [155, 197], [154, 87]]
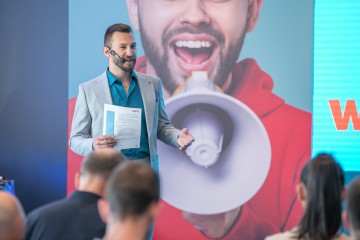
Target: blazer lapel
[[102, 90], [148, 96]]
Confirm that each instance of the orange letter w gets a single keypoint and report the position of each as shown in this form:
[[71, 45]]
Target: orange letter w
[[342, 120]]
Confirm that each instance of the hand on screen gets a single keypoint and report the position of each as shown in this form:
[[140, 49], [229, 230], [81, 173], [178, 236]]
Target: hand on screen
[[213, 225]]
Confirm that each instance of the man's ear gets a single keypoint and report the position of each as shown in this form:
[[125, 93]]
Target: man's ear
[[254, 9], [103, 208], [106, 52], [133, 11], [154, 209], [77, 181], [301, 192]]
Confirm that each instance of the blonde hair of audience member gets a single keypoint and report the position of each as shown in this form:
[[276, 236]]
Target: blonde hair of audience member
[[352, 214], [12, 218], [131, 202], [321, 191]]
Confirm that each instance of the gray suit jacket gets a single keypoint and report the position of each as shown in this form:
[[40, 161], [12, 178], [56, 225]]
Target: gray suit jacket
[[89, 110]]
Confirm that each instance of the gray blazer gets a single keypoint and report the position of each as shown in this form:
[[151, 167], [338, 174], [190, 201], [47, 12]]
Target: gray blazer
[[87, 122]]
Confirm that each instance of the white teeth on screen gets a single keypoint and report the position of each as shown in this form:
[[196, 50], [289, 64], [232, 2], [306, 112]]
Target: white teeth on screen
[[193, 44]]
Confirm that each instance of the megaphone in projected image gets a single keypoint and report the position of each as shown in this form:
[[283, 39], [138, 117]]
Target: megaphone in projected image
[[229, 160]]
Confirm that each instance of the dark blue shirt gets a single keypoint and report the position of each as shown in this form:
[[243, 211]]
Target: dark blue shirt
[[133, 100], [76, 217]]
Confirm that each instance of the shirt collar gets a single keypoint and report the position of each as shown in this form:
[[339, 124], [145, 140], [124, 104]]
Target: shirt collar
[[112, 79]]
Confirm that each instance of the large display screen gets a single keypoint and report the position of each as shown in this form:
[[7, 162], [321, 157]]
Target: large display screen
[[336, 101]]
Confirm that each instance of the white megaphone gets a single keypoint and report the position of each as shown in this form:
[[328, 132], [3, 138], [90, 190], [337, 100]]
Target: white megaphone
[[229, 160]]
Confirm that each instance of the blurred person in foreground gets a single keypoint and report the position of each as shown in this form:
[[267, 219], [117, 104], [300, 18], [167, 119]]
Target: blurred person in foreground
[[321, 192], [12, 218], [352, 214], [76, 217], [131, 202]]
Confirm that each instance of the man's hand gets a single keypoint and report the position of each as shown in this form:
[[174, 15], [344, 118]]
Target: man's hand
[[184, 139], [104, 141]]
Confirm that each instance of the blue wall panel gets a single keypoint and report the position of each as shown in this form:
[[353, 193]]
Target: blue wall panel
[[33, 98]]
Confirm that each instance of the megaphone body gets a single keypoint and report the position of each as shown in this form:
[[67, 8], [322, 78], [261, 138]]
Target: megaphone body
[[229, 160]]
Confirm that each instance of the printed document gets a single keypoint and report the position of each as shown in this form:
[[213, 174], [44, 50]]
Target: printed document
[[124, 123]]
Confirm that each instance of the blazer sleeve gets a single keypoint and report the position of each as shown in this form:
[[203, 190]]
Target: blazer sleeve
[[80, 137], [166, 132]]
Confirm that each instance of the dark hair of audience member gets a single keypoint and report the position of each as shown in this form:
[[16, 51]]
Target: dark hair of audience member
[[324, 181], [118, 27], [353, 206], [132, 188], [100, 163]]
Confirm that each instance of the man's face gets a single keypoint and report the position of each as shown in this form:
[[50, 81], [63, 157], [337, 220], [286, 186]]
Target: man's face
[[214, 226], [181, 36], [125, 47]]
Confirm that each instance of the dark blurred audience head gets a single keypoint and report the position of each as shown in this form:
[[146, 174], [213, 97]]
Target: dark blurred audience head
[[321, 191], [12, 219], [131, 201], [352, 215], [96, 169]]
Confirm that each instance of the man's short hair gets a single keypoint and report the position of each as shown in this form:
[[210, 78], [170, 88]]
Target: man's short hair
[[101, 162], [132, 188], [118, 27], [353, 206]]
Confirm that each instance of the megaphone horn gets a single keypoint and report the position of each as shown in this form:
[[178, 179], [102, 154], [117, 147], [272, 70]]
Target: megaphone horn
[[229, 160]]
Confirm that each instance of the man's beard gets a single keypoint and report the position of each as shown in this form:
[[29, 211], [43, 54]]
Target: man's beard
[[160, 63], [120, 64]]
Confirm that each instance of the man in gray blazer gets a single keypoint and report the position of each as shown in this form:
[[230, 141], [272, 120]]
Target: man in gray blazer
[[121, 85]]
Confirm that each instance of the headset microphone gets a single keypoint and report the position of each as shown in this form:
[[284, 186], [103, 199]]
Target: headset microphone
[[113, 53]]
